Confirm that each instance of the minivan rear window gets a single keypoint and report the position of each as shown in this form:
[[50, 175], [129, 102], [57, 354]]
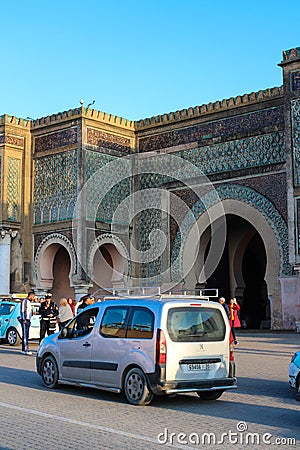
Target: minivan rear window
[[195, 324], [127, 322]]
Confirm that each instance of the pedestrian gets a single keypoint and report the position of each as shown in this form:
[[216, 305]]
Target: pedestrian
[[222, 301], [72, 303], [234, 307], [85, 301], [65, 313], [25, 317], [48, 312]]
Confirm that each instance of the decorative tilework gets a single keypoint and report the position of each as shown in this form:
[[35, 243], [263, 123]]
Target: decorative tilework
[[94, 162], [295, 105], [55, 186], [295, 81], [220, 130], [253, 151], [13, 188], [297, 221], [107, 140], [55, 140]]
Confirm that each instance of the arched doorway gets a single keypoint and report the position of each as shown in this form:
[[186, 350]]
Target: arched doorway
[[241, 271], [244, 221], [55, 265], [108, 268], [61, 270]]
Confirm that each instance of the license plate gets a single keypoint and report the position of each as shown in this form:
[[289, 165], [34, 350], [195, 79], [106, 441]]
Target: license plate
[[198, 367]]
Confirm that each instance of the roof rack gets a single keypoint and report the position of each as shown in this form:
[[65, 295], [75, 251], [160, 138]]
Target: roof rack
[[156, 291]]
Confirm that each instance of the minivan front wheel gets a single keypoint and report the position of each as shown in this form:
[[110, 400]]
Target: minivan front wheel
[[49, 372], [136, 388], [210, 395]]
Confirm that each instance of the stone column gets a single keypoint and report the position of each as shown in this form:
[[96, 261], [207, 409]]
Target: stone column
[[80, 291], [40, 292], [5, 249]]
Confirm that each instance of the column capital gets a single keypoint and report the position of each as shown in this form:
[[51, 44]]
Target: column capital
[[7, 232]]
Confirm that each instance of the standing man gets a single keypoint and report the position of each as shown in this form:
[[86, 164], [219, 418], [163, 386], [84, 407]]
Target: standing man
[[25, 317], [225, 306], [48, 312]]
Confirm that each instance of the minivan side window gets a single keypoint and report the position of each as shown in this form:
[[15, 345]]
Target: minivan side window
[[195, 324], [141, 324], [113, 323]]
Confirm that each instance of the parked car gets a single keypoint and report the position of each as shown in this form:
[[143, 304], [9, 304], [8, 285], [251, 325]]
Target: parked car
[[294, 374], [143, 347], [10, 327]]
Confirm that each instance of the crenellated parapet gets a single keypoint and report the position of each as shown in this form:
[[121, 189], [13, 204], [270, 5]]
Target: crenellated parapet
[[174, 116], [84, 113], [5, 119], [219, 105], [289, 55]]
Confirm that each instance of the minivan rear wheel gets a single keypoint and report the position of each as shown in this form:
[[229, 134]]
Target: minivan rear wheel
[[210, 395], [136, 388]]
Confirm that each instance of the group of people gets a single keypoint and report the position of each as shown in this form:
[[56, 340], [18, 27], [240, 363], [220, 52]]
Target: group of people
[[232, 313], [50, 315]]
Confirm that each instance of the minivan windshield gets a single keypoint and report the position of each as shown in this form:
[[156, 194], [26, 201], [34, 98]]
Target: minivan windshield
[[195, 324]]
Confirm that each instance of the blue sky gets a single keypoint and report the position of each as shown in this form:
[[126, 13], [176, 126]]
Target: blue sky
[[138, 59]]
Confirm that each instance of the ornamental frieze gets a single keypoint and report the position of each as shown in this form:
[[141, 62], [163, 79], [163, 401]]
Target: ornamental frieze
[[55, 140], [15, 141], [224, 129], [102, 139]]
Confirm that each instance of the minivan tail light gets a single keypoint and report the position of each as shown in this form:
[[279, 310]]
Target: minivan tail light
[[231, 345], [161, 347]]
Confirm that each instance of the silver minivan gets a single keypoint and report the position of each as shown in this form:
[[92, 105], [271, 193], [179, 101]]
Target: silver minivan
[[163, 345]]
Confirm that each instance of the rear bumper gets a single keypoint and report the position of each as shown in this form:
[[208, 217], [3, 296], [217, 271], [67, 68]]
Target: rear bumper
[[159, 386]]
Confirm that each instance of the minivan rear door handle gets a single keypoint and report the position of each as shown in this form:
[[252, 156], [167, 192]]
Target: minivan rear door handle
[[86, 344], [136, 345]]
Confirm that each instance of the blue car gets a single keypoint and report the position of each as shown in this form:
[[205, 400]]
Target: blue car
[[294, 373], [10, 327]]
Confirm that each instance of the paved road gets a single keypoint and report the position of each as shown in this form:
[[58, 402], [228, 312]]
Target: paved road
[[262, 413]]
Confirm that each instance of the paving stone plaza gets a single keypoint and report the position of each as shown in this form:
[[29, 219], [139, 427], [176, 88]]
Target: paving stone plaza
[[262, 413]]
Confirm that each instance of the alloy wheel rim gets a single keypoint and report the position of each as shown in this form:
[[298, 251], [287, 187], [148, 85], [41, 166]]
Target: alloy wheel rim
[[135, 386], [48, 372]]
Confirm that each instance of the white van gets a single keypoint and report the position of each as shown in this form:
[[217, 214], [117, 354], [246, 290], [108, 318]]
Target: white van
[[143, 347]]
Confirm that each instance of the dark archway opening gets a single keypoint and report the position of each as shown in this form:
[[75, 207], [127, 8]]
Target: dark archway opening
[[219, 279], [255, 298], [61, 270]]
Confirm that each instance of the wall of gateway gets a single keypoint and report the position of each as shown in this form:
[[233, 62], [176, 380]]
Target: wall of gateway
[[248, 147]]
